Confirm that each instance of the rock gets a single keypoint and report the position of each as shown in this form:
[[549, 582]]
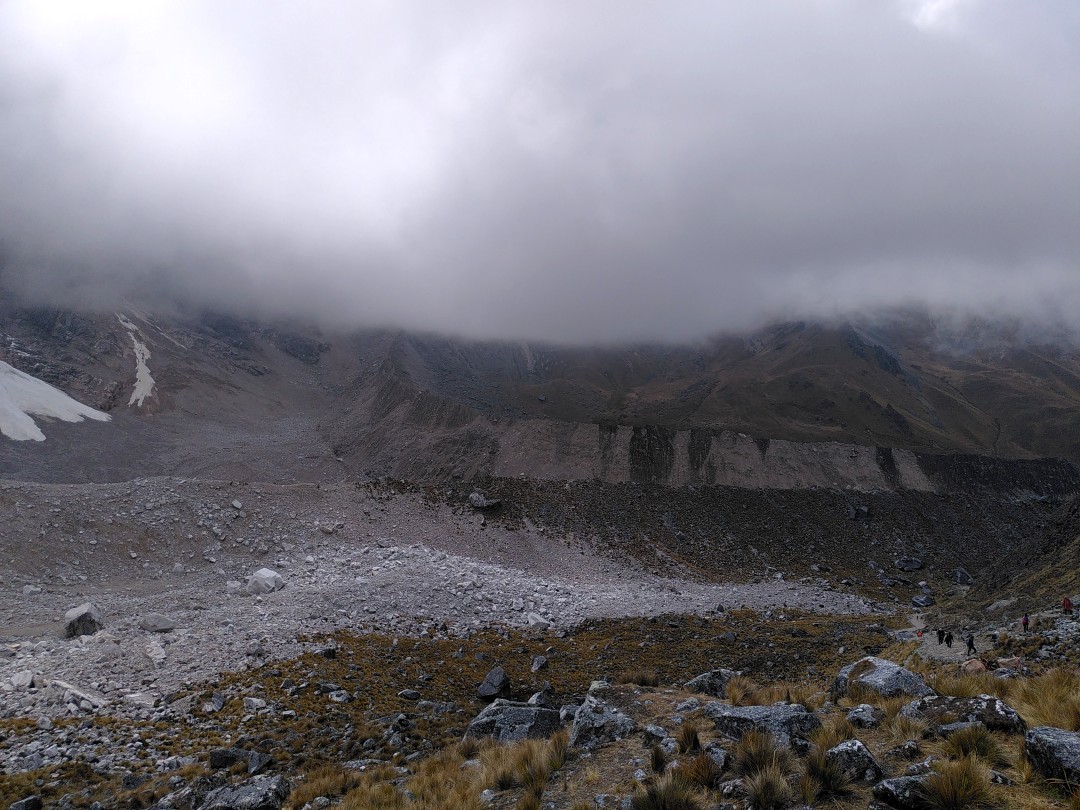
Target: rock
[[962, 577], [653, 734], [716, 754], [883, 677], [481, 501], [253, 704], [973, 666], [1054, 752], [222, 758], [790, 724], [510, 721], [991, 711], [156, 623], [539, 662], [545, 697], [409, 694], [902, 792], [949, 729], [260, 793], [237, 505], [496, 685], [84, 620], [29, 803], [1015, 663], [537, 622], [597, 722], [23, 679], [856, 761], [866, 716], [713, 682], [265, 580], [909, 563], [923, 600]]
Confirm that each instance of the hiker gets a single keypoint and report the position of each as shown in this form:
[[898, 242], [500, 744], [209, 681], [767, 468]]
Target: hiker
[[940, 636], [1066, 605], [1025, 622], [948, 639], [971, 643], [919, 632]]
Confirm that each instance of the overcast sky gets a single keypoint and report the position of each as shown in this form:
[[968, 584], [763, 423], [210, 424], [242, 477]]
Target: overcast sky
[[578, 170]]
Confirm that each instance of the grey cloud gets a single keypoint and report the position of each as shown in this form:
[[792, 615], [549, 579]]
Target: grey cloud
[[565, 171]]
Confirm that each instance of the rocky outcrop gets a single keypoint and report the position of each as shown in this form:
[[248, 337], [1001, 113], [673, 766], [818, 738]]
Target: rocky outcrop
[[1054, 752], [510, 721], [941, 710], [598, 722], [886, 678], [260, 793], [789, 724], [712, 683]]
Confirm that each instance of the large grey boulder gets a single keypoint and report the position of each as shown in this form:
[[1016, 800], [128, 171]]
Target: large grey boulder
[[790, 724], [909, 563], [598, 722], [855, 759], [496, 684], [943, 710], [713, 682], [84, 620], [260, 793], [866, 716], [265, 580], [902, 792], [886, 678], [1054, 752], [156, 623], [510, 721]]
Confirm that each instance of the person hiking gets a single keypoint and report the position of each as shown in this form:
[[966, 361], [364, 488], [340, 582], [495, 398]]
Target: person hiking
[[940, 636], [1066, 605], [948, 639], [971, 643], [1025, 622]]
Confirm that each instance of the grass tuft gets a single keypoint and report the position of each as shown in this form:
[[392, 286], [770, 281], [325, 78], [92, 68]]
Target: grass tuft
[[768, 789], [963, 784], [641, 677], [666, 793], [657, 759], [975, 741], [832, 733], [700, 771], [826, 774], [689, 738], [757, 751]]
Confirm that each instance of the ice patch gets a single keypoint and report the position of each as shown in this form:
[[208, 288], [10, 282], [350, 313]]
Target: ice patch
[[144, 383], [23, 396]]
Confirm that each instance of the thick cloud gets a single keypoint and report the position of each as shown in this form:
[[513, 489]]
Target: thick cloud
[[557, 170]]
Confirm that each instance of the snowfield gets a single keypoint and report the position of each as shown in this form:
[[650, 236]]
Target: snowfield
[[23, 396], [144, 383]]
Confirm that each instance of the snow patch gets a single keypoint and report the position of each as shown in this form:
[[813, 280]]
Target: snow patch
[[23, 396], [144, 383]]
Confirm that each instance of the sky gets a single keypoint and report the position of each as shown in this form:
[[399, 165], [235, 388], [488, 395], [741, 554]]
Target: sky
[[545, 169]]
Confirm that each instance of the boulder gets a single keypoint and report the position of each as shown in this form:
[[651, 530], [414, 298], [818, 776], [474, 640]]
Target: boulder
[[84, 620], [902, 792], [886, 678], [496, 685], [29, 803], [1015, 663], [962, 577], [923, 601], [156, 623], [992, 712], [480, 501], [265, 580], [510, 721], [1054, 752], [790, 724], [866, 716], [714, 682], [909, 563], [597, 722], [260, 793], [973, 666], [23, 679], [855, 760]]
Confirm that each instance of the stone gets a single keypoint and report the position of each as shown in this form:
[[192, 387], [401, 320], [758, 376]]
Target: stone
[[480, 501], [855, 760], [1015, 663], [84, 620], [790, 724], [886, 678], [156, 623], [23, 679], [29, 803], [265, 580], [991, 711], [972, 666], [511, 721], [539, 662], [866, 716], [909, 564], [1054, 752], [714, 682], [409, 694], [597, 722], [962, 577], [716, 754], [222, 758], [923, 600], [496, 685], [237, 505], [545, 697], [253, 704], [259, 793], [901, 792], [537, 622]]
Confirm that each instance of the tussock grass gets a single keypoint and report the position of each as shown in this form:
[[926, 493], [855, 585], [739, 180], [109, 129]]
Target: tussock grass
[[825, 776], [963, 784], [331, 781], [657, 759], [742, 691], [640, 677], [1052, 699], [975, 741], [768, 789], [833, 732], [689, 738], [757, 751], [528, 764], [964, 686], [666, 793], [901, 729], [700, 771]]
